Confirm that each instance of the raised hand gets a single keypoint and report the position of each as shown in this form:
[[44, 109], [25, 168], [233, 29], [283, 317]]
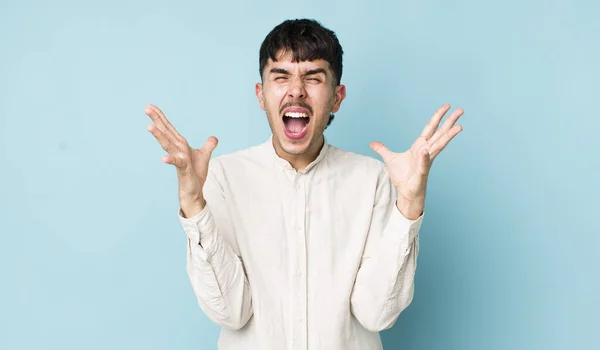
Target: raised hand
[[409, 170], [191, 163]]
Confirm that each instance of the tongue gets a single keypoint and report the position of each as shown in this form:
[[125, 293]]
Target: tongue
[[295, 125]]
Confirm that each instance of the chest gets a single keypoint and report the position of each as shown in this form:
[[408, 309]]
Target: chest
[[284, 221]]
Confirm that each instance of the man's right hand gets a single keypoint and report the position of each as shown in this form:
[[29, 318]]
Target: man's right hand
[[191, 163]]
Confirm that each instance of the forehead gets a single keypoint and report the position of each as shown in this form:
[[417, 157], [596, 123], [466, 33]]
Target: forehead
[[285, 60]]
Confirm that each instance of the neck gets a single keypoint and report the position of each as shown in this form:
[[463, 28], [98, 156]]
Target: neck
[[300, 161]]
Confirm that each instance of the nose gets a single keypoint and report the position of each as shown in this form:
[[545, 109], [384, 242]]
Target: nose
[[297, 89]]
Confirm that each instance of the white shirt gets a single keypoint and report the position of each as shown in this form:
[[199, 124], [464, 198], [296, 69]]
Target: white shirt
[[316, 259]]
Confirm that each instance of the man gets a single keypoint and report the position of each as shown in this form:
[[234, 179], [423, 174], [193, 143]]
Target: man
[[294, 243]]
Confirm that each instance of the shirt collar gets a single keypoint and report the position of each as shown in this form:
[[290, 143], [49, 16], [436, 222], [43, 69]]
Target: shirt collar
[[284, 164]]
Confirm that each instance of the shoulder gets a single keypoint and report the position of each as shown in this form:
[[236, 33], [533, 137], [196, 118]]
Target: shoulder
[[355, 162], [359, 173], [238, 160]]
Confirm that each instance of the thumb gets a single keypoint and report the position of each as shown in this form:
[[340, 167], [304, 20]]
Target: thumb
[[210, 145], [424, 162], [380, 149]]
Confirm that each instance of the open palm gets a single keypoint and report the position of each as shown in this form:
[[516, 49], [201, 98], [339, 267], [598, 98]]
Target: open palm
[[409, 170], [191, 163]]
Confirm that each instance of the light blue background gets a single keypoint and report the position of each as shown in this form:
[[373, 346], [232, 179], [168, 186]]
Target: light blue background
[[92, 255]]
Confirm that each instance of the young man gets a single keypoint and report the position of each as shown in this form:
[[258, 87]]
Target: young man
[[294, 243]]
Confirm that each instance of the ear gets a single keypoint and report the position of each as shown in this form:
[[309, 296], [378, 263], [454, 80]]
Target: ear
[[340, 95], [259, 95]]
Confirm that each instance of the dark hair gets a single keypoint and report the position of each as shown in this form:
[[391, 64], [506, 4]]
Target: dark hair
[[307, 40]]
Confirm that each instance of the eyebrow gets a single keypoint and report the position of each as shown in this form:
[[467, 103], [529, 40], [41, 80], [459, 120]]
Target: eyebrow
[[310, 72], [279, 70], [316, 71]]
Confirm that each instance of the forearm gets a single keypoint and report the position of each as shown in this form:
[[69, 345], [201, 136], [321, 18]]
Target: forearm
[[384, 285], [216, 273]]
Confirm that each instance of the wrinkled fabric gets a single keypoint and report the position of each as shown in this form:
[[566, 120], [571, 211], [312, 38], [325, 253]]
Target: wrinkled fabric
[[293, 260]]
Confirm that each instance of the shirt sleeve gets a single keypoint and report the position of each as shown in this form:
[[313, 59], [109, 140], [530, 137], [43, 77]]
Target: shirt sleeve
[[384, 285], [215, 270]]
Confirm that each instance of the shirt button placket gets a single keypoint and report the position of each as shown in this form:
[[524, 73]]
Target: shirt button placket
[[301, 275]]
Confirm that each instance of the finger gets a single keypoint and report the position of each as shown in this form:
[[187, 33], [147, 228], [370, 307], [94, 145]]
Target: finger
[[210, 145], [164, 142], [424, 162], [444, 139], [433, 123], [176, 150], [159, 123], [448, 124], [380, 149], [169, 128], [177, 162], [155, 118], [167, 123]]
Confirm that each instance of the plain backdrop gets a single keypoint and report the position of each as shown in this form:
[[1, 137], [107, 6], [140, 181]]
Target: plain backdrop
[[92, 255]]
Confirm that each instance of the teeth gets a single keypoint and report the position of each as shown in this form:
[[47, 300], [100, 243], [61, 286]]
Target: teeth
[[296, 115]]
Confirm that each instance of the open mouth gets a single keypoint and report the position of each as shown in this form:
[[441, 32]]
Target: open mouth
[[295, 124]]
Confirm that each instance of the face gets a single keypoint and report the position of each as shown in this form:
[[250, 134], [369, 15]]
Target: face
[[298, 98]]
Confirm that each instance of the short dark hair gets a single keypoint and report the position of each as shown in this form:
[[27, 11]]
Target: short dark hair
[[307, 40]]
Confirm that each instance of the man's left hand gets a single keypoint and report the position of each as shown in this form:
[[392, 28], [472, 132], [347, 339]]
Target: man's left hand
[[409, 170]]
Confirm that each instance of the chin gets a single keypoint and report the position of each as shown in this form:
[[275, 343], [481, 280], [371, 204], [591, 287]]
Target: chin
[[295, 146]]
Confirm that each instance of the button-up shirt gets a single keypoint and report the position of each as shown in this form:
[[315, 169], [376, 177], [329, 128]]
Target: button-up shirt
[[293, 260]]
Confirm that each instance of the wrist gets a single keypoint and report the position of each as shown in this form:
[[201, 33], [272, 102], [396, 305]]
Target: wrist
[[410, 209], [191, 206]]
